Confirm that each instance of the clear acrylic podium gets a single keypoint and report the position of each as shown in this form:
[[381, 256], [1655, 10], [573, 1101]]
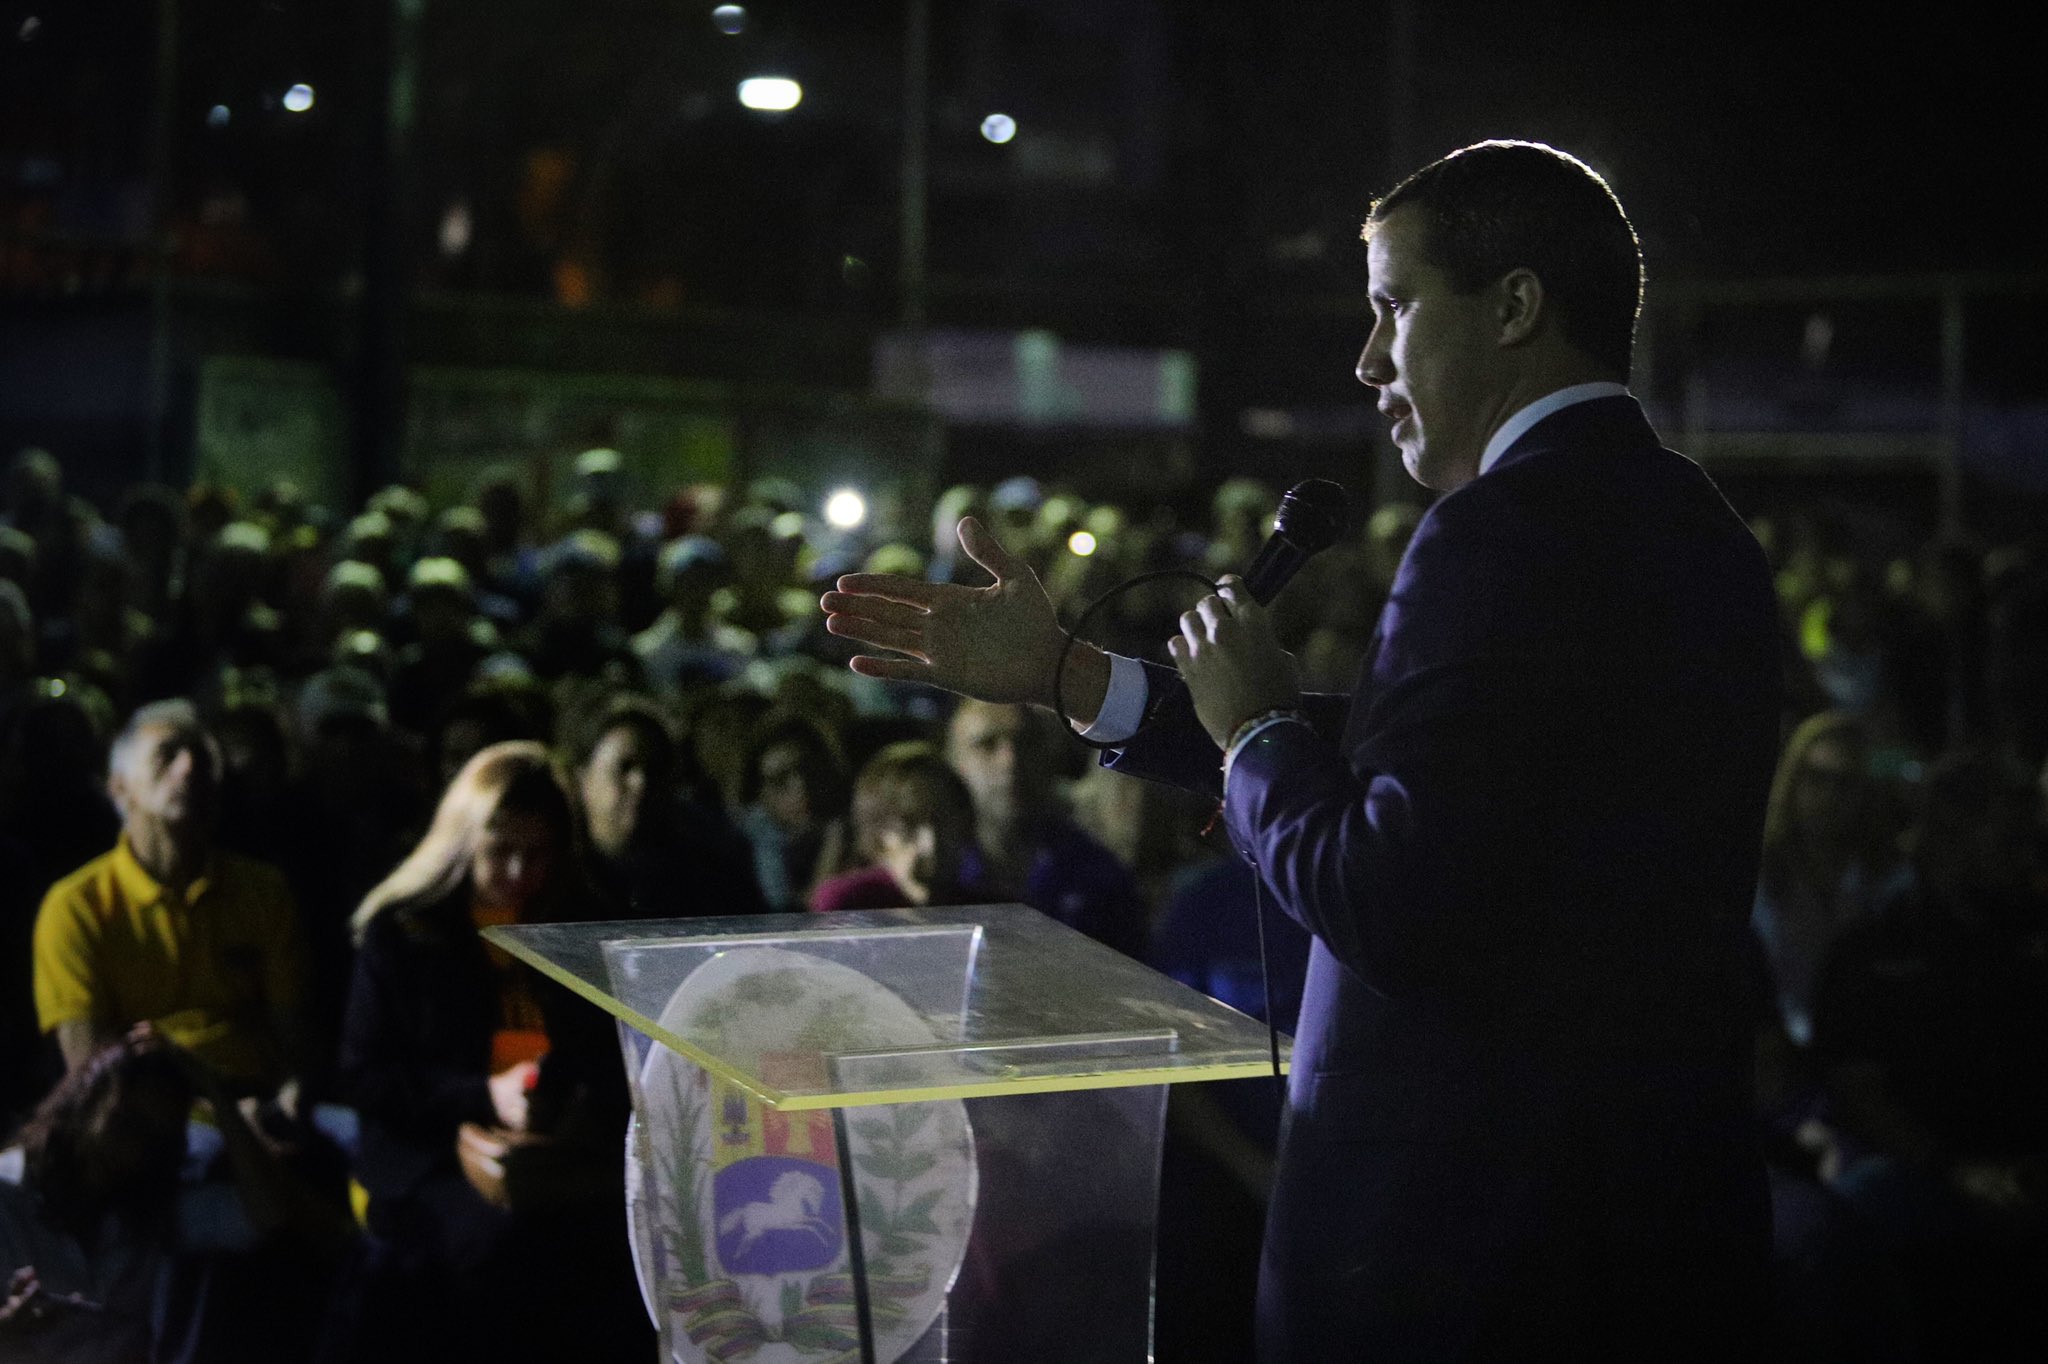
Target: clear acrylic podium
[[929, 1136]]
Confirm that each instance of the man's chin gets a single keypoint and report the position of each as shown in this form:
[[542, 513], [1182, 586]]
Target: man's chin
[[188, 825], [1437, 474]]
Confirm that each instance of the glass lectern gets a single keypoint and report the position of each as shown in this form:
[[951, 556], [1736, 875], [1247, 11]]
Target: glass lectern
[[928, 1136]]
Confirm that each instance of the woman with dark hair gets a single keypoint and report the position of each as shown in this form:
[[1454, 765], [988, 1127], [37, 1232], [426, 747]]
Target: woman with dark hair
[[656, 853], [107, 1247], [913, 823], [493, 1101], [88, 1205], [795, 792]]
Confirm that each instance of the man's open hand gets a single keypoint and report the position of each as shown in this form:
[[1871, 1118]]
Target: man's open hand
[[1233, 667], [997, 643]]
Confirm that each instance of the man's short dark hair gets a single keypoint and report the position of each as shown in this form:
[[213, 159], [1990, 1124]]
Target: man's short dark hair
[[1499, 206]]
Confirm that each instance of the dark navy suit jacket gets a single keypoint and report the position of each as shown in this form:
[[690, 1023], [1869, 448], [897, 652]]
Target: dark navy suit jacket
[[1519, 1115]]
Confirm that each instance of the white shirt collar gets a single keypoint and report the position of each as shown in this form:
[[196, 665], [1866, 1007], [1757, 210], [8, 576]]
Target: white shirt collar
[[1516, 426]]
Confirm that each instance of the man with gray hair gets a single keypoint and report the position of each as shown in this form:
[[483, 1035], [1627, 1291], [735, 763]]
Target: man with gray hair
[[170, 930]]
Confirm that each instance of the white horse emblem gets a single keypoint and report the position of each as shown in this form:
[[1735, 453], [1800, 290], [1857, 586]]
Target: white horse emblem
[[793, 1203]]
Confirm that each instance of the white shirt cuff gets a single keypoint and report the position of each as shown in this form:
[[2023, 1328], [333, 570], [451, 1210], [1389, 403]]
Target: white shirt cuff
[[1123, 705]]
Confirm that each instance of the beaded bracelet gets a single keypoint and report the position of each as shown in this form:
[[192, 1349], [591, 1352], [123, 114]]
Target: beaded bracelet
[[1242, 735]]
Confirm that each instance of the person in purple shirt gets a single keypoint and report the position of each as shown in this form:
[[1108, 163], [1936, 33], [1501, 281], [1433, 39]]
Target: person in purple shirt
[[1024, 840]]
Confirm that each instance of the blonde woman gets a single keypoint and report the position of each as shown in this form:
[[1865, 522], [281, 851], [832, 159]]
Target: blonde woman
[[492, 1101]]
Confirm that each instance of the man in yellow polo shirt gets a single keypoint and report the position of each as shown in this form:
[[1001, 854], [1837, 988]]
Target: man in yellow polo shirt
[[168, 929]]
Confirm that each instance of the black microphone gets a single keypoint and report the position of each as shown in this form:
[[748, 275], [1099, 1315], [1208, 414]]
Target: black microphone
[[1311, 519]]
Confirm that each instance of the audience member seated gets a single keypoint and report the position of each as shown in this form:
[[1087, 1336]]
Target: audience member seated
[[1828, 847], [1154, 829], [448, 640], [913, 822], [354, 598], [597, 500], [108, 633], [492, 711], [115, 1254], [224, 621], [152, 523], [1024, 837], [1930, 1020], [793, 808], [358, 801], [576, 632], [59, 523], [764, 599], [511, 561], [493, 1101], [717, 727], [257, 758], [687, 649], [462, 534], [167, 929], [654, 852]]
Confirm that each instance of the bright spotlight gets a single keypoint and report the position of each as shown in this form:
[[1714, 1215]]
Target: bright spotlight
[[299, 98], [772, 94], [457, 225], [1081, 543], [218, 116], [730, 19], [846, 509], [999, 128]]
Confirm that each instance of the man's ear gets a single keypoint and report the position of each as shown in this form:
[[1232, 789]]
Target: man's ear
[[1520, 300], [117, 792]]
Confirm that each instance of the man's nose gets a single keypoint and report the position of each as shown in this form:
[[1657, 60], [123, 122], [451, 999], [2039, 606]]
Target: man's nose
[[1375, 366]]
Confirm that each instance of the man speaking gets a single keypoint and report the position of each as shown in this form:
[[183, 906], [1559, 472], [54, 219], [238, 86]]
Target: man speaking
[[1518, 1122]]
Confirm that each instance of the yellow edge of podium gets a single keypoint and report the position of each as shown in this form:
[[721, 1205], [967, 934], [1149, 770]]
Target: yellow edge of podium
[[797, 1103]]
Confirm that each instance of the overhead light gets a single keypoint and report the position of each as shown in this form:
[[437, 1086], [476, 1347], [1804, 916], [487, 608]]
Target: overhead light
[[729, 19], [771, 94], [218, 116], [1081, 543], [298, 99], [999, 128], [846, 509], [457, 225]]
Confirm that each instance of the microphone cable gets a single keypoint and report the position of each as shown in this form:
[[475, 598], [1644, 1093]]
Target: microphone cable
[[1059, 672], [1073, 637]]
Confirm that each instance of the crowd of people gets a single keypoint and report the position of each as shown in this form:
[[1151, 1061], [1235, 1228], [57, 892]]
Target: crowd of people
[[265, 771]]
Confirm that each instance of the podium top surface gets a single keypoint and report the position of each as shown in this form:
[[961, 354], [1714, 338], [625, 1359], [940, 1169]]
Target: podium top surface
[[867, 1007]]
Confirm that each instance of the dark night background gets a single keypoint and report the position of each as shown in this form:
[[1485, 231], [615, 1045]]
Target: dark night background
[[577, 191], [332, 277]]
